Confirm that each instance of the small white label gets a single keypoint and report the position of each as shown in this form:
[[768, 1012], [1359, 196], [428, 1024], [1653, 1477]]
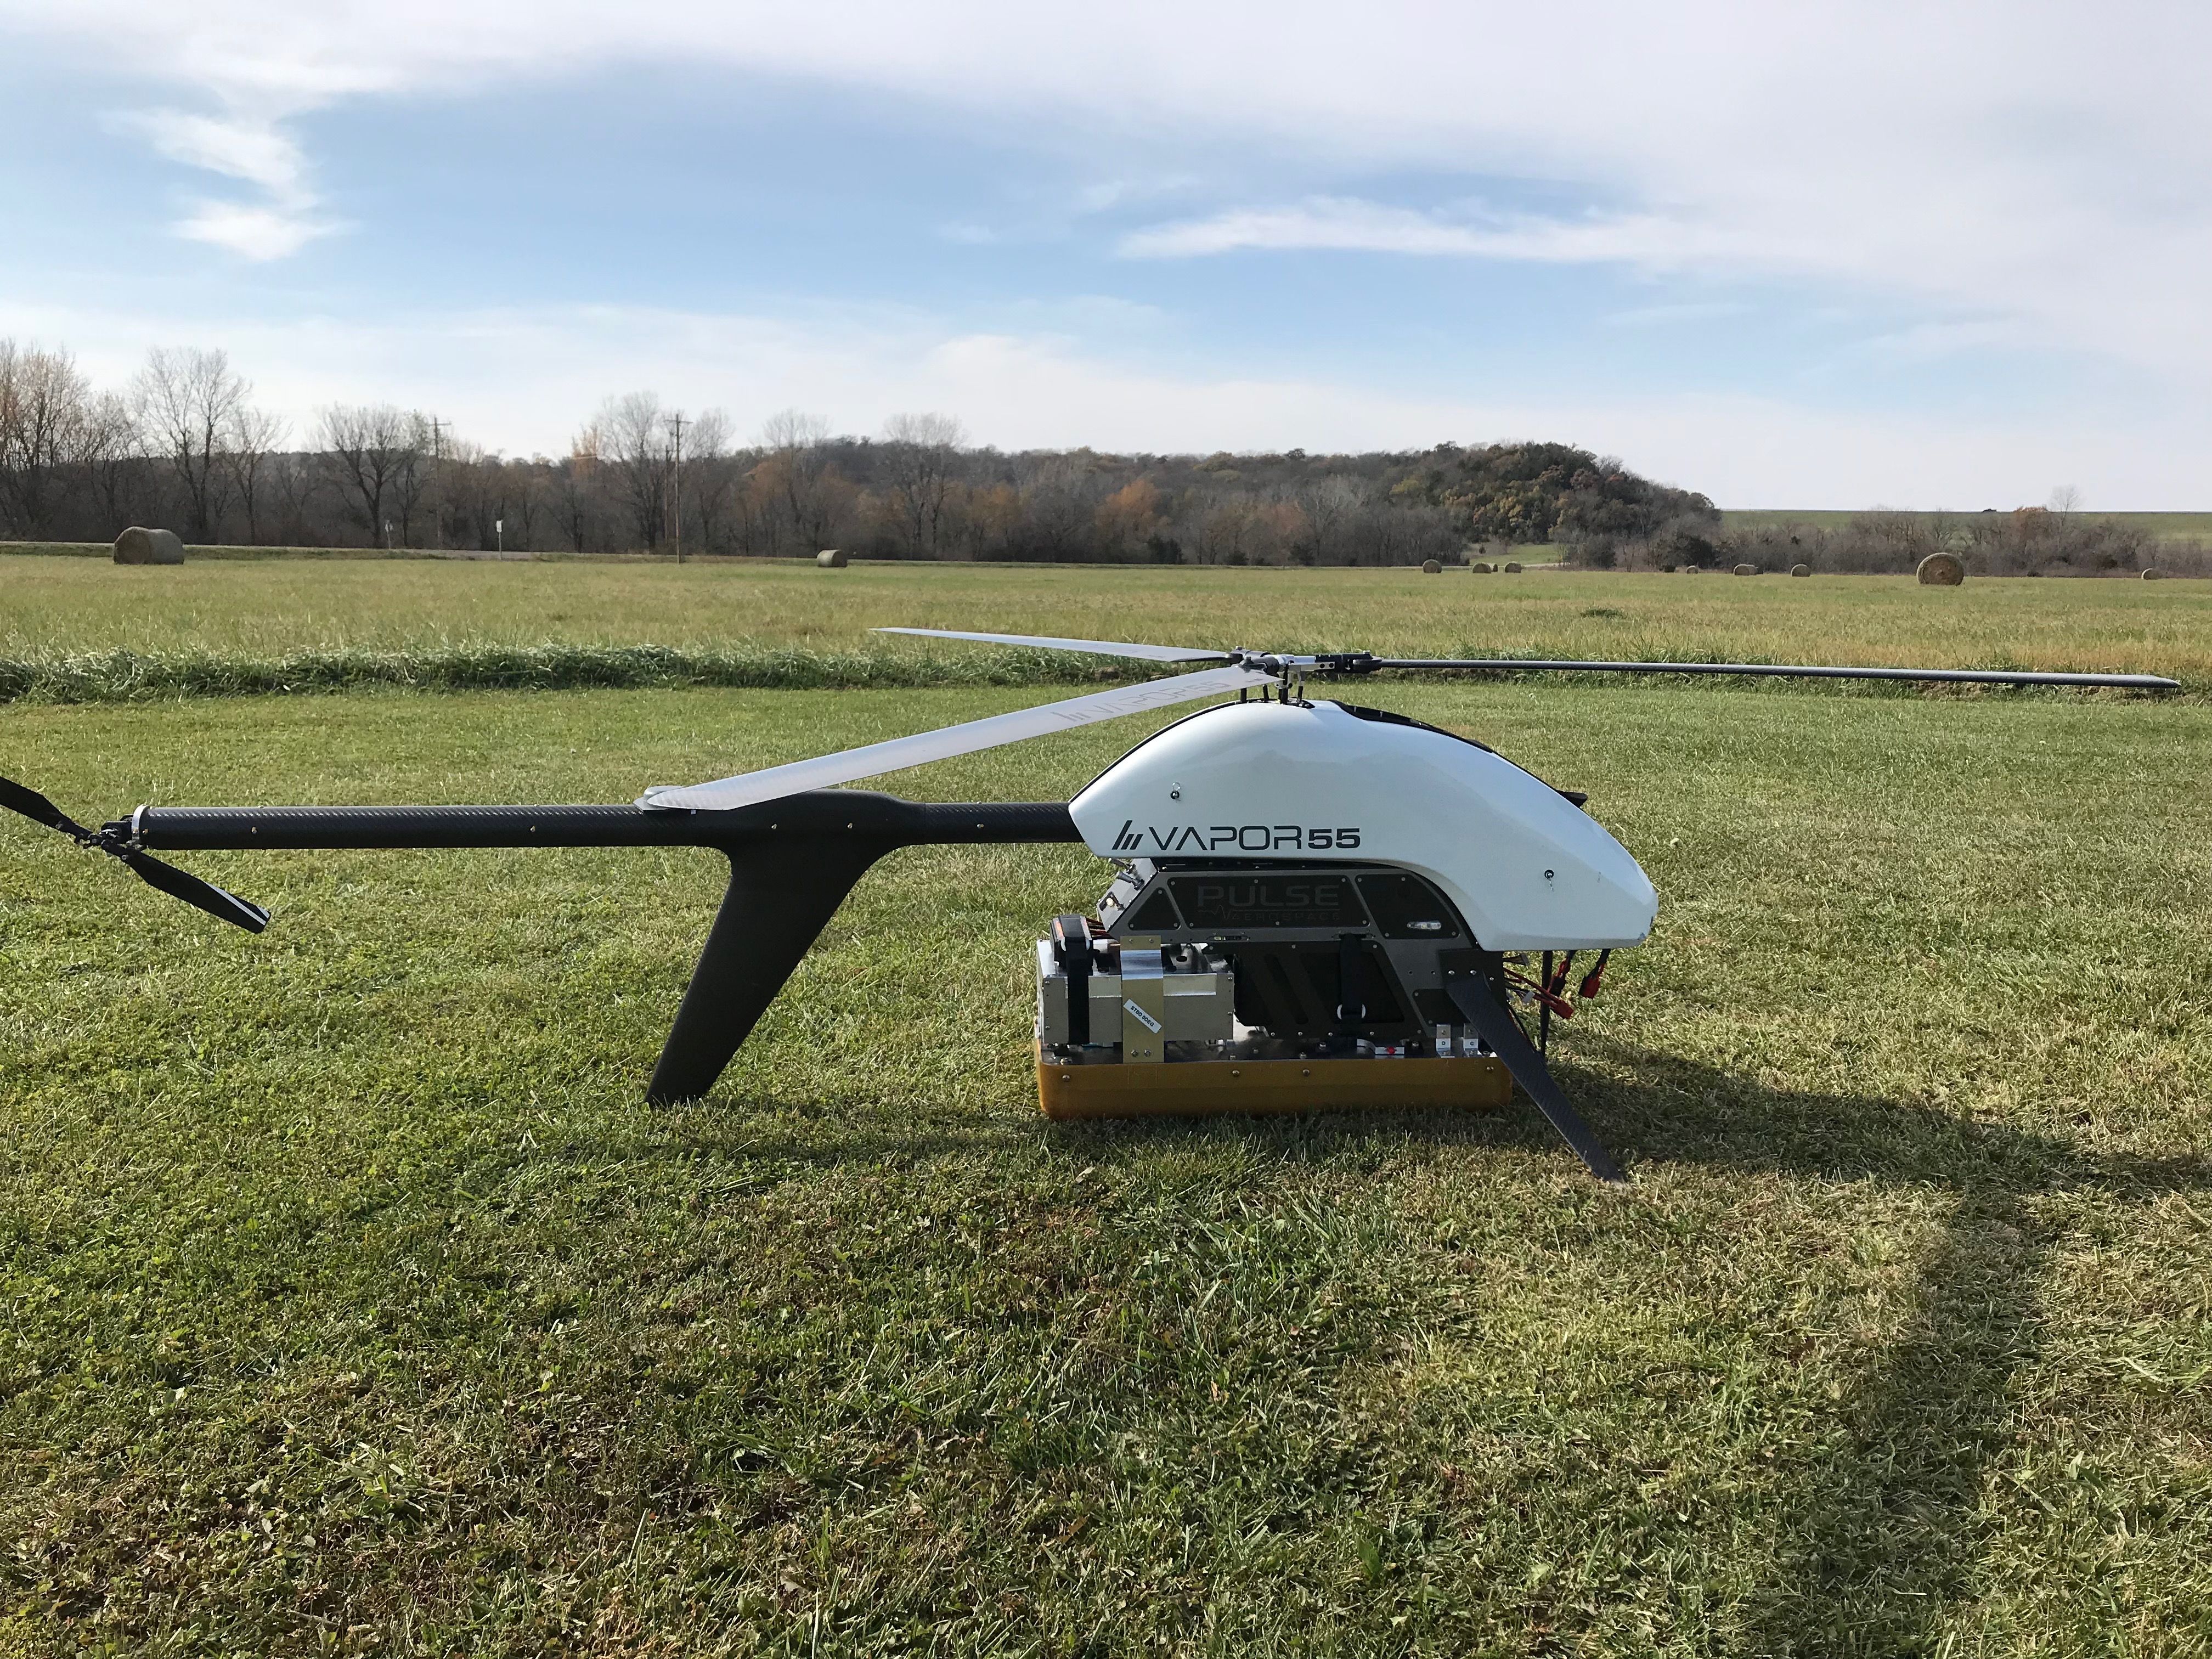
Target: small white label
[[1141, 1016]]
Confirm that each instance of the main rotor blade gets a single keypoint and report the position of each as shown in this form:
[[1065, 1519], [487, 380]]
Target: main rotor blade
[[1098, 647], [1783, 670], [773, 782]]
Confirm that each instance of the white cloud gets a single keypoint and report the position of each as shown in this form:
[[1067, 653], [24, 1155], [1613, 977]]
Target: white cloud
[[254, 150], [2042, 158], [2041, 168], [247, 147], [1646, 241], [253, 233], [2046, 160]]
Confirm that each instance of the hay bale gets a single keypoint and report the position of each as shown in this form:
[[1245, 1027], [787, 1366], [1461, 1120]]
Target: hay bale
[[2154, 574], [1940, 570], [1431, 568], [1746, 570], [1693, 570], [1484, 569], [1512, 569], [831, 558], [1801, 569], [138, 545]]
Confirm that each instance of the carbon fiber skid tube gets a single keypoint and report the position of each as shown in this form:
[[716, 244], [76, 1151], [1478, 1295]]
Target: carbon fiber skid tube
[[791, 863]]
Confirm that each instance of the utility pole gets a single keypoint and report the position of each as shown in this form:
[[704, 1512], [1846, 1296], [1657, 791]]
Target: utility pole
[[676, 425], [437, 459]]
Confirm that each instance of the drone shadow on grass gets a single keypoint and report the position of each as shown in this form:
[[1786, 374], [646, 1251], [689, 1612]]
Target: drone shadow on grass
[[1880, 1545]]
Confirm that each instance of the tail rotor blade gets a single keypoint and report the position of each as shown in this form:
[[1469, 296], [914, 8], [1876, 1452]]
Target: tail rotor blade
[[36, 807], [200, 895], [167, 878]]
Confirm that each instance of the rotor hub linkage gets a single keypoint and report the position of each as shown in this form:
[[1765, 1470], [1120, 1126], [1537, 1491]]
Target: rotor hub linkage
[[1290, 672]]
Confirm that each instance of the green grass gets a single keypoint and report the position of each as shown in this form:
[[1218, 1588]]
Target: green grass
[[248, 620], [198, 550], [354, 1302]]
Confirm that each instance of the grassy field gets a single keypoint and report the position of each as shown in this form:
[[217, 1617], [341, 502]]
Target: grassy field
[[50, 608], [354, 1302]]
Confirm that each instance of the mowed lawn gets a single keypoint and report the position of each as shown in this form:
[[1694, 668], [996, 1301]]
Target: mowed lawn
[[354, 1301], [56, 607]]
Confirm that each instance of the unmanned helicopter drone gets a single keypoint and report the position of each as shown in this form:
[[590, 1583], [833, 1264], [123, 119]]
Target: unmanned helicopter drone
[[1314, 903]]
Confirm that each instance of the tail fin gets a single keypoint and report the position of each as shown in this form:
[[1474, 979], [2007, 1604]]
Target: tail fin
[[781, 895]]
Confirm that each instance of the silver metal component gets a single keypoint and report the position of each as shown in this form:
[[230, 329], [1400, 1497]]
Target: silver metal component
[[1191, 995], [1052, 997], [1144, 1007]]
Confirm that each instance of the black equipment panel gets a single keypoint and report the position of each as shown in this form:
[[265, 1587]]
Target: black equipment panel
[[1157, 915], [1296, 898], [1297, 991], [1405, 906]]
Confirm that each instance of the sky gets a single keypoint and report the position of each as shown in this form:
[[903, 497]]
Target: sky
[[1811, 255]]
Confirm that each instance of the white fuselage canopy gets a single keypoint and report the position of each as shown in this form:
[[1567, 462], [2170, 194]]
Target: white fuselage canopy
[[1528, 868]]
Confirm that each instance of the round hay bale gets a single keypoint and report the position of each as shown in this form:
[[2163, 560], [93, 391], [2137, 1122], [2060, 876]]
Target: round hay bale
[[1484, 569], [831, 558], [1940, 570], [1691, 569], [2154, 574], [138, 545], [1801, 569], [1431, 568], [1512, 569], [1746, 570]]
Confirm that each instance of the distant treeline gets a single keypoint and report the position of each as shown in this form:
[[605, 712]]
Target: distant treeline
[[2030, 541], [182, 446]]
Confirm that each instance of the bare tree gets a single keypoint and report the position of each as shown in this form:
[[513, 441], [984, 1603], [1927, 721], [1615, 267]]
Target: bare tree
[[188, 405], [298, 481], [368, 449], [576, 489], [2067, 498], [1329, 508], [111, 457], [412, 478], [635, 440], [798, 443], [45, 405], [531, 482], [708, 474], [794, 428], [924, 455], [255, 436]]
